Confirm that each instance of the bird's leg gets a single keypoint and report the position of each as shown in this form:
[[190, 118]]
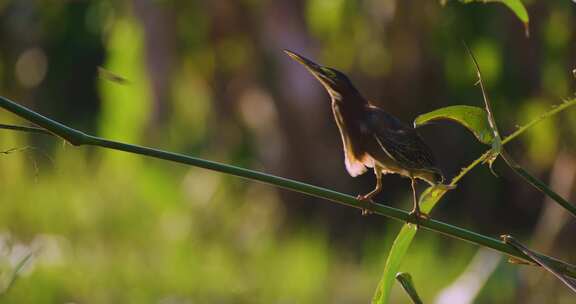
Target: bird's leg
[[416, 213], [368, 196]]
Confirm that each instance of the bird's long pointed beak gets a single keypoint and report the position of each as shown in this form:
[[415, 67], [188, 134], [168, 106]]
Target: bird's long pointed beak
[[314, 68]]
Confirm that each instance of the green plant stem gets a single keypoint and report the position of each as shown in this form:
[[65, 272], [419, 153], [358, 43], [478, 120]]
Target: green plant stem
[[487, 104], [536, 183], [554, 111], [527, 176], [407, 233], [78, 138], [498, 150]]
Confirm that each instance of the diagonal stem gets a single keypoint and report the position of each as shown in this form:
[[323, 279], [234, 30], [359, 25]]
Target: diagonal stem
[[536, 183], [77, 138], [497, 148]]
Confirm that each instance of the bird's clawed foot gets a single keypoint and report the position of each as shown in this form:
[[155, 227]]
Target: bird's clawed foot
[[418, 216], [365, 198]]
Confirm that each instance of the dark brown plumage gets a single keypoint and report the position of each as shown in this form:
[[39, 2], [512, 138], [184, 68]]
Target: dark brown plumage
[[373, 138]]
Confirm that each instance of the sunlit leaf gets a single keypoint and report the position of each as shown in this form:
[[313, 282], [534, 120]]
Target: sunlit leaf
[[395, 257], [428, 200], [405, 280], [516, 6], [473, 118], [430, 197]]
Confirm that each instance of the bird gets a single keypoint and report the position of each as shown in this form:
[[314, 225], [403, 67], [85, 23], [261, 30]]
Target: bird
[[373, 138]]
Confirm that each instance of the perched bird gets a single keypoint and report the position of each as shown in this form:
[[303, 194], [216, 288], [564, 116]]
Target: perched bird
[[373, 138]]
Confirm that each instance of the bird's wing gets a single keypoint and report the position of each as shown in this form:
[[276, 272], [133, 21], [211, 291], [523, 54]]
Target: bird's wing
[[400, 142]]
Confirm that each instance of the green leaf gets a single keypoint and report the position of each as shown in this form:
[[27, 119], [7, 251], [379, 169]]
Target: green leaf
[[395, 257], [430, 197], [428, 200], [405, 280], [474, 119], [516, 6]]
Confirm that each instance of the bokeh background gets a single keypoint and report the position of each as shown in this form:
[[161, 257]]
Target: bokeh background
[[209, 79]]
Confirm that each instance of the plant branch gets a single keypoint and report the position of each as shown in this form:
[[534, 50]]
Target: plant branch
[[539, 185], [497, 141], [555, 109], [487, 104], [77, 138], [497, 149]]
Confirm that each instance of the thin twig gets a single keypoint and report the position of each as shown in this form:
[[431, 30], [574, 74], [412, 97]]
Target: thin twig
[[497, 141], [487, 104]]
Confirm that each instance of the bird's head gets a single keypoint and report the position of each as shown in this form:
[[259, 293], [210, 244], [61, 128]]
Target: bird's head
[[335, 82]]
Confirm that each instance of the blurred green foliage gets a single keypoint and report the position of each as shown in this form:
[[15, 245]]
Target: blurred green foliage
[[208, 78]]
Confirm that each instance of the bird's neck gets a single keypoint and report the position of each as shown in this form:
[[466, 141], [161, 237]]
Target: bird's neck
[[349, 102]]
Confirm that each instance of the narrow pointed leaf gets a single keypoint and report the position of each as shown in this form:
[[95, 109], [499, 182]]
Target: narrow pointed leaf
[[395, 258], [405, 280], [428, 200], [473, 118]]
